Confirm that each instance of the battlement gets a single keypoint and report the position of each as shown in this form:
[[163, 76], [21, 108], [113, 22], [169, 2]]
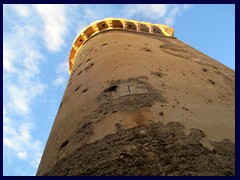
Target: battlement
[[115, 23]]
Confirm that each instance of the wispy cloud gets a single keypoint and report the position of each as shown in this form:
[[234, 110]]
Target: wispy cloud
[[59, 81], [22, 86], [152, 11], [165, 13], [98, 12], [62, 74], [8, 59], [22, 155], [21, 64], [89, 14], [17, 137], [22, 9], [55, 24], [22, 98], [170, 19]]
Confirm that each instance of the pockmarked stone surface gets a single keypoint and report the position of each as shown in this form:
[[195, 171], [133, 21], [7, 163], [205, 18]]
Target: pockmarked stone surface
[[143, 104], [156, 149]]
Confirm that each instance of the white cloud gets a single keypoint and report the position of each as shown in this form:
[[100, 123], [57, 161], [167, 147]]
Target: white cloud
[[62, 74], [62, 67], [96, 12], [17, 137], [22, 59], [30, 62], [22, 155], [170, 19], [18, 99], [90, 12], [20, 49], [8, 59], [22, 9], [152, 11], [165, 13], [59, 81], [55, 24], [22, 98]]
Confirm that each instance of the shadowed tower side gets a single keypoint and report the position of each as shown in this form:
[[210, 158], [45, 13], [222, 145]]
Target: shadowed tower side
[[141, 102]]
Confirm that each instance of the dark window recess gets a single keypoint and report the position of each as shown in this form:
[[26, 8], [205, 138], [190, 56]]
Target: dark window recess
[[89, 66], [64, 144], [130, 25], [80, 40], [104, 44], [204, 69], [211, 81], [146, 49], [87, 124], [85, 90], [110, 89], [79, 73], [73, 72], [77, 88], [88, 59], [103, 25]]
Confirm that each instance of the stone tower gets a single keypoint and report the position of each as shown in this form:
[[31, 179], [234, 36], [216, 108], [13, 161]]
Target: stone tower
[[141, 102]]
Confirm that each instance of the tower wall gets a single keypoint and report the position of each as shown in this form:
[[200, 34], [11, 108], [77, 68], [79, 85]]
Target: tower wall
[[143, 104]]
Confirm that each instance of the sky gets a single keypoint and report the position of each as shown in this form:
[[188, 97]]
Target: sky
[[37, 40]]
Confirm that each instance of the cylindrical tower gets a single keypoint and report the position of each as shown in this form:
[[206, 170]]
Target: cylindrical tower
[[141, 102]]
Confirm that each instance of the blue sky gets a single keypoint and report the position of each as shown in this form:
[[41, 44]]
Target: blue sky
[[36, 43]]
